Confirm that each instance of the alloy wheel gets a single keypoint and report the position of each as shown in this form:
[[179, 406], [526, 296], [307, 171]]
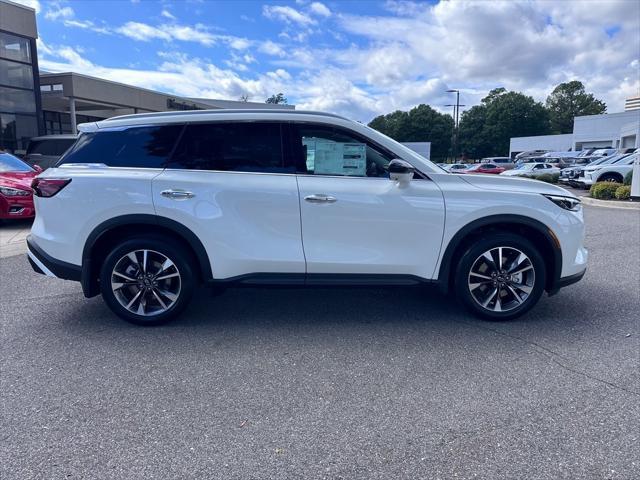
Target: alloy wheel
[[501, 279], [146, 282]]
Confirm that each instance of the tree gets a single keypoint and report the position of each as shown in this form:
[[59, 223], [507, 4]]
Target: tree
[[245, 97], [277, 99], [486, 129], [569, 100], [420, 124]]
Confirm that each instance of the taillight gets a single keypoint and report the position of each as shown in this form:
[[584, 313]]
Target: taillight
[[48, 187]]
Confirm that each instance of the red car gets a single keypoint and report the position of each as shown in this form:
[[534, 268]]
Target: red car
[[16, 196], [484, 168]]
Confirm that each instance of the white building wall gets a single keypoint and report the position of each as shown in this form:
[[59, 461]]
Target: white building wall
[[556, 143], [601, 130], [629, 136]]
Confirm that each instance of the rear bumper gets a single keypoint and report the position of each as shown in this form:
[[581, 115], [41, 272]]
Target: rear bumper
[[47, 265]]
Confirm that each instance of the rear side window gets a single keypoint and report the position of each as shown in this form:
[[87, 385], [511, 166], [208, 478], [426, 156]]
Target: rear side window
[[232, 147], [50, 147], [142, 147]]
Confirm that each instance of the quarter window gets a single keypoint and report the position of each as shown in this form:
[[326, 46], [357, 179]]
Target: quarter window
[[232, 147], [323, 150], [143, 147]]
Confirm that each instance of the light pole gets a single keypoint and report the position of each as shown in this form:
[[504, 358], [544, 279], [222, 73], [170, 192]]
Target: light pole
[[456, 114]]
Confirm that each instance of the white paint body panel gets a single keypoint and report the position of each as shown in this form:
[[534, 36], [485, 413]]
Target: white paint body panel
[[247, 222], [95, 195], [375, 226]]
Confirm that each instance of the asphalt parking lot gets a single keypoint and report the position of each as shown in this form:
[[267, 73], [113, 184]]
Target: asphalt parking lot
[[322, 383]]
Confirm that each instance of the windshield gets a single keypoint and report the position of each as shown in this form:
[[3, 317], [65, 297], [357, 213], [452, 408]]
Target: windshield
[[525, 166], [9, 163]]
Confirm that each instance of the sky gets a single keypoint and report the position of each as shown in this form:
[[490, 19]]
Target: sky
[[355, 58]]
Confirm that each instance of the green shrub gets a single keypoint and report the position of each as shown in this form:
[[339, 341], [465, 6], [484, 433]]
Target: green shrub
[[604, 190], [623, 192], [627, 178], [548, 177]]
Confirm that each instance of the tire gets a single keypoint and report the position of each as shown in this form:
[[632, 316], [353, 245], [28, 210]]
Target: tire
[[508, 292], [156, 289], [609, 177]]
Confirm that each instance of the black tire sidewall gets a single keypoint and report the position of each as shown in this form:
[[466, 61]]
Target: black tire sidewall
[[477, 248], [167, 247]]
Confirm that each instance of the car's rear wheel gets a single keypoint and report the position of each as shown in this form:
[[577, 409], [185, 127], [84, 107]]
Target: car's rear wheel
[[147, 280], [500, 277]]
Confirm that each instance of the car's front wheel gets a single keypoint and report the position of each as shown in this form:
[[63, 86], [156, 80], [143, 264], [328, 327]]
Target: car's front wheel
[[500, 277], [147, 280]]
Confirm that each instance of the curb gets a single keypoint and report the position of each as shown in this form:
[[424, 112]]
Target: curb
[[621, 204]]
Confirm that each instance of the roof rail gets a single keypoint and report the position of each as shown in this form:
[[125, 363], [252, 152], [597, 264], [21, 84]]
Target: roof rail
[[223, 111]]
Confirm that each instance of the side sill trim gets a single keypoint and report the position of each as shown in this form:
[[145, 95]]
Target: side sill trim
[[320, 279]]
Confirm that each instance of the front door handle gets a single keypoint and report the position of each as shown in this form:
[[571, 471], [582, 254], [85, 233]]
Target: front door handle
[[320, 198], [177, 194]]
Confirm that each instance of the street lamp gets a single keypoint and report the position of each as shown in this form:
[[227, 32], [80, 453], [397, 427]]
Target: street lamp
[[456, 114]]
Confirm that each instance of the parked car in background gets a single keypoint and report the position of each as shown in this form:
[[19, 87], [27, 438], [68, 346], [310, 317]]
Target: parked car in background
[[16, 196], [529, 154], [532, 170], [457, 167], [570, 174], [484, 168], [46, 151], [145, 208], [608, 171], [504, 162]]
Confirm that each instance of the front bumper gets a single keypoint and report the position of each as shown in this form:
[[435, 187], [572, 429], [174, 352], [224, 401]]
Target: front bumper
[[43, 263], [566, 281], [16, 207]]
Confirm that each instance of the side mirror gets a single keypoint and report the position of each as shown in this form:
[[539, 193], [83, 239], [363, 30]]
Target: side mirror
[[38, 168], [401, 171]]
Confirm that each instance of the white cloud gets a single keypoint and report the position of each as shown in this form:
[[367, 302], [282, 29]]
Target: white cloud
[[167, 14], [320, 9], [272, 48], [57, 11], [142, 32], [287, 14]]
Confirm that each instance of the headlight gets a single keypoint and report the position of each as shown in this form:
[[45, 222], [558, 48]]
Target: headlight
[[568, 203], [14, 192]]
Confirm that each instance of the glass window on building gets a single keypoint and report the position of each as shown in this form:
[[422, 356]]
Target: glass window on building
[[18, 103], [13, 47], [16, 130], [13, 100], [15, 74]]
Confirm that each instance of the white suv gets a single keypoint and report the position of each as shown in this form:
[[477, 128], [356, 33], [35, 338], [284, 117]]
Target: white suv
[[613, 170], [143, 208]]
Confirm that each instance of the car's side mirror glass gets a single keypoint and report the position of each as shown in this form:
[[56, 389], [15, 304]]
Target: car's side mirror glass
[[401, 171]]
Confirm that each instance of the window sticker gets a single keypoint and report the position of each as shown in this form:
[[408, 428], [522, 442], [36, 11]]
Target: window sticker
[[326, 157]]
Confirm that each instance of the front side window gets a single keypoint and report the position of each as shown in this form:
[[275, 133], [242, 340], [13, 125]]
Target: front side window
[[142, 147], [325, 150], [232, 147]]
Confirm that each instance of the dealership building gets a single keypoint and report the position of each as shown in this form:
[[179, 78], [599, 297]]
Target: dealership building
[[609, 130], [36, 103]]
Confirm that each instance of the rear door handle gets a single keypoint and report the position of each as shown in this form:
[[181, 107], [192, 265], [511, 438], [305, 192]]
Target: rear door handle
[[177, 194], [320, 198]]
